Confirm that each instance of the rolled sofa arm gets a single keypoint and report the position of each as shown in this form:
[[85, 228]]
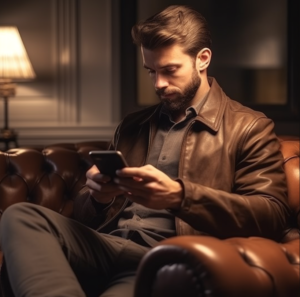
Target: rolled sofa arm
[[206, 266]]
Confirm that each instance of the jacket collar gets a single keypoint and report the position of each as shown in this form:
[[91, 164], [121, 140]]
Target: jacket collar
[[211, 112]]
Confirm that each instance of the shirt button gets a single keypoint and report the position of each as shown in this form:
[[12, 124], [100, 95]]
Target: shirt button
[[164, 158]]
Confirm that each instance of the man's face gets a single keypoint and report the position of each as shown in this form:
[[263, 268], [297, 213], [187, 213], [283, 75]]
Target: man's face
[[173, 74]]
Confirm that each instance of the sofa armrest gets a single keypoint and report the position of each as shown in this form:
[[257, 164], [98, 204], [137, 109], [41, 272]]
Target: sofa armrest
[[206, 266]]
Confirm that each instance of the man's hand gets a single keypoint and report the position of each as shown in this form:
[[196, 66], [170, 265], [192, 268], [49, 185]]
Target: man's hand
[[101, 188], [150, 187]]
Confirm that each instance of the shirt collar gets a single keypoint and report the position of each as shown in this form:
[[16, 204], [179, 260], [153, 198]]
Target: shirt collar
[[191, 111]]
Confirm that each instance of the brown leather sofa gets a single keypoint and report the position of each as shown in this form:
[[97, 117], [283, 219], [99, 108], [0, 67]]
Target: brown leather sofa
[[235, 267], [50, 176], [181, 266]]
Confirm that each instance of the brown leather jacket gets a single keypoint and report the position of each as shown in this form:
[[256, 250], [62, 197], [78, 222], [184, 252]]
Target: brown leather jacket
[[230, 168]]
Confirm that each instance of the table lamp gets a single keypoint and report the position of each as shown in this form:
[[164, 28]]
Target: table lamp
[[14, 66]]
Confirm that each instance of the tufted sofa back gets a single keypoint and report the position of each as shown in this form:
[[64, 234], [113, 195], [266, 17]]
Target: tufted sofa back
[[50, 176], [290, 148], [237, 266]]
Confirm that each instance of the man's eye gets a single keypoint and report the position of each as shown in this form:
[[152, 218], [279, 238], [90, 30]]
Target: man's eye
[[150, 71], [170, 69]]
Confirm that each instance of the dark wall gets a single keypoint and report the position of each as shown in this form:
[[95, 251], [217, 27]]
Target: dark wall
[[235, 66]]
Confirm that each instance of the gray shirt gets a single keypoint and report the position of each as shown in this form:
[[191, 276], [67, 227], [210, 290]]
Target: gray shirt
[[148, 226]]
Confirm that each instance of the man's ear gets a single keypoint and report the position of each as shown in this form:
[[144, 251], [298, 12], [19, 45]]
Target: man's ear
[[203, 59]]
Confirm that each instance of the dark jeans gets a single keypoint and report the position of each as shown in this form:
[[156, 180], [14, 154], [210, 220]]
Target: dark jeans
[[48, 254]]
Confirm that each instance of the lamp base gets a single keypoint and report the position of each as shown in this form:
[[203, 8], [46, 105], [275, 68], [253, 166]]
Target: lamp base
[[7, 88], [8, 133], [7, 136]]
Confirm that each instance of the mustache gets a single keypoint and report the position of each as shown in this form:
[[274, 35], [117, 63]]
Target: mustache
[[161, 92]]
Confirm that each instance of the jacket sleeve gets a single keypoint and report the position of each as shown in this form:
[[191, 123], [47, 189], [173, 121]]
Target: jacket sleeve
[[257, 204], [88, 211]]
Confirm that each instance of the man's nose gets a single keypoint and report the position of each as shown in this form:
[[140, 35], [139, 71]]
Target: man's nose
[[160, 82]]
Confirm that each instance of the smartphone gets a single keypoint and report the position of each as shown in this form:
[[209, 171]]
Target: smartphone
[[108, 161]]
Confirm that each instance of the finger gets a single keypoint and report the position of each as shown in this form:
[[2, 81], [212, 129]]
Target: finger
[[142, 191], [101, 187], [147, 172], [94, 174], [137, 183], [130, 184]]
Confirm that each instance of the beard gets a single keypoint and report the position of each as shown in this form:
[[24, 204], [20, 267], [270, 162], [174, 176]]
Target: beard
[[184, 97]]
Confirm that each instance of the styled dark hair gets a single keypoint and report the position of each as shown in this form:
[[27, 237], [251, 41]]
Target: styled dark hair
[[177, 24]]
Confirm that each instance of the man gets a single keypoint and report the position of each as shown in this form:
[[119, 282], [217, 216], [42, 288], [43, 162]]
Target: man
[[199, 163]]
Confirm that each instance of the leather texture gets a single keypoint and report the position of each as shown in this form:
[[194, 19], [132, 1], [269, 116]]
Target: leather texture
[[207, 266], [239, 178], [196, 265], [50, 176]]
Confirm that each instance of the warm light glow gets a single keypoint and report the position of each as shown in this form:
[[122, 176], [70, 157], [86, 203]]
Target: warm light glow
[[14, 61]]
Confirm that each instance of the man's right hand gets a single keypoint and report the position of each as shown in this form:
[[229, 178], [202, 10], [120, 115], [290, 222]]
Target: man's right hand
[[101, 188]]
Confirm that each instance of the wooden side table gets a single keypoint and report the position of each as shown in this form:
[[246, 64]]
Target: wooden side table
[[8, 136]]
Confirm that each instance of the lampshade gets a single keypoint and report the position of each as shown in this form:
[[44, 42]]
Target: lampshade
[[14, 61]]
